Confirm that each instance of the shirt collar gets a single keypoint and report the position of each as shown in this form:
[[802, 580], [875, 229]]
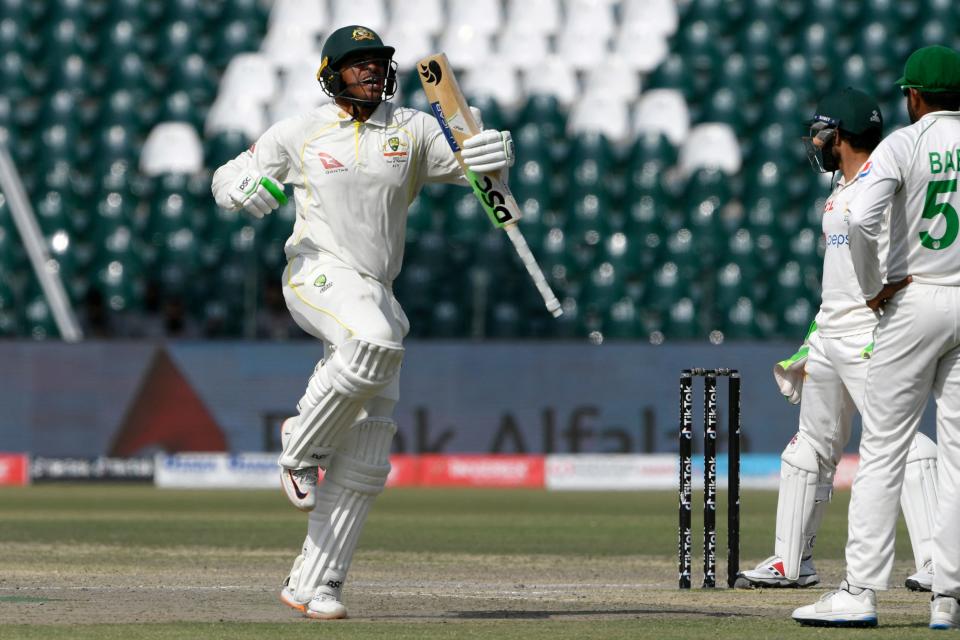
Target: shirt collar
[[861, 172], [379, 118], [380, 115], [940, 114]]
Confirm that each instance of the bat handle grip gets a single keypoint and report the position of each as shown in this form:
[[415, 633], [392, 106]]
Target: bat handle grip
[[523, 250]]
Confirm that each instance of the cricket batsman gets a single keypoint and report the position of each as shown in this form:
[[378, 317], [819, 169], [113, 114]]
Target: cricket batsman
[[831, 368], [917, 341], [355, 165]]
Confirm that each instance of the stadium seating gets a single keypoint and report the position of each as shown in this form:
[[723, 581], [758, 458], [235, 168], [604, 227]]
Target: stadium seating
[[665, 191]]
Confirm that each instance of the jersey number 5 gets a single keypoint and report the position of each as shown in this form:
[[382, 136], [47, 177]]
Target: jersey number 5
[[932, 209]]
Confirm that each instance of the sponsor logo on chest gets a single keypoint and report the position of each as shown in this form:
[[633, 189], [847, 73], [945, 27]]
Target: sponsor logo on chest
[[330, 164], [832, 205]]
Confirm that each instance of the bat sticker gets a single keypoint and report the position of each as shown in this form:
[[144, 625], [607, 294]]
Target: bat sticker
[[493, 201], [457, 123], [431, 72], [442, 119]]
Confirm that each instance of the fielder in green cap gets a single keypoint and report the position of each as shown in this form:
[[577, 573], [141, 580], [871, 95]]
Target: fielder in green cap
[[912, 182], [931, 81], [354, 164]]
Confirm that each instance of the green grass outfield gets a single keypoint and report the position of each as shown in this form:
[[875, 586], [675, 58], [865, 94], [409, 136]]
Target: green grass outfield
[[94, 561]]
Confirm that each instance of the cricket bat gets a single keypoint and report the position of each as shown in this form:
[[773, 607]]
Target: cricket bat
[[449, 106]]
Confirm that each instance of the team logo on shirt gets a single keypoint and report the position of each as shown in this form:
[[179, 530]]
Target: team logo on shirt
[[395, 151], [330, 164]]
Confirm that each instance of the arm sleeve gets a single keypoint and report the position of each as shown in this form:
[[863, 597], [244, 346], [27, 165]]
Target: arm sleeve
[[267, 157], [226, 176], [439, 163], [867, 217]]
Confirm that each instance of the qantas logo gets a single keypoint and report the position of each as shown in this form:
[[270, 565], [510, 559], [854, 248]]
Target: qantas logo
[[330, 163]]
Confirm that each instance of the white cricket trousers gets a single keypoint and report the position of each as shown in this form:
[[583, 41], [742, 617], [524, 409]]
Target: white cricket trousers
[[333, 302], [835, 373], [917, 351]]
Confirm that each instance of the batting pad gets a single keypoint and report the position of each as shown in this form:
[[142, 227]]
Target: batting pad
[[798, 514], [918, 498], [335, 395], [354, 479]]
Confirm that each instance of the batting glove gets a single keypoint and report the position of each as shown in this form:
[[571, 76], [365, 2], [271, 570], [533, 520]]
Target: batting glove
[[259, 195], [489, 150]]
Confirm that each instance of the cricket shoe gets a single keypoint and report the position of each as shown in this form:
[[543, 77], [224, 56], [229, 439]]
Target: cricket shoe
[[944, 613], [841, 608], [288, 598], [300, 485], [922, 580], [770, 574], [326, 604]]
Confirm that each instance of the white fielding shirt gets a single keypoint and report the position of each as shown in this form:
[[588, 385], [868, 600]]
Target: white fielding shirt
[[352, 181], [914, 170], [843, 310]]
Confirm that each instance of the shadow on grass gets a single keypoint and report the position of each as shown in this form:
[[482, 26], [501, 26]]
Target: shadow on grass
[[545, 614]]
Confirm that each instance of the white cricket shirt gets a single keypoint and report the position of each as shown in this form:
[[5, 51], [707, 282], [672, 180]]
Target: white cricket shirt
[[352, 181], [914, 170], [843, 310]]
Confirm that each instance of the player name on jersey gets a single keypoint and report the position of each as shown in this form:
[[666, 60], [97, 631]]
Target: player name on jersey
[[948, 160]]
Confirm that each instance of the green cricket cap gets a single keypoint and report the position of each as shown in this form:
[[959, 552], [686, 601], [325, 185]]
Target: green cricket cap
[[851, 110], [934, 69], [351, 39]]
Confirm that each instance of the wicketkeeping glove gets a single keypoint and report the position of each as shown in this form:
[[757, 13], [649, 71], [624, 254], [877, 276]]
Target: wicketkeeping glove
[[489, 150], [790, 373], [259, 195]]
